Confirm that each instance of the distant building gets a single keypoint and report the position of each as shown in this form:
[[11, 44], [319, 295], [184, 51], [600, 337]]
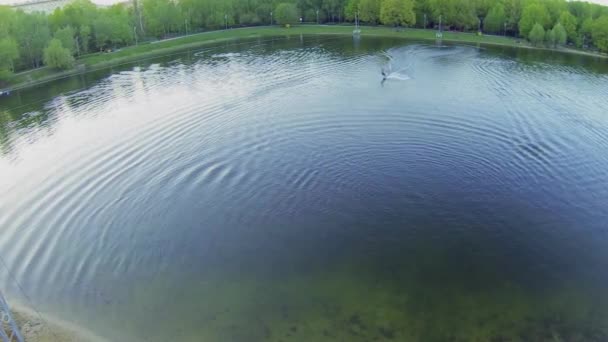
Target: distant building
[[49, 6], [46, 6]]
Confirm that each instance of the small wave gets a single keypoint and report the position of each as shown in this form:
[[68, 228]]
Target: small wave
[[398, 77]]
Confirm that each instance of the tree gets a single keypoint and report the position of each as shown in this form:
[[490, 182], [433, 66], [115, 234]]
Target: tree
[[352, 6], [9, 52], [103, 31], [533, 14], [32, 33], [569, 23], [286, 14], [494, 22], [584, 34], [6, 20], [459, 14], [56, 56], [66, 36], [550, 38], [397, 12], [560, 34], [537, 34], [513, 11], [555, 8], [85, 36], [163, 17], [599, 32], [369, 11]]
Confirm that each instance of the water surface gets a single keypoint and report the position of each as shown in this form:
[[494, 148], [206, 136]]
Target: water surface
[[277, 190]]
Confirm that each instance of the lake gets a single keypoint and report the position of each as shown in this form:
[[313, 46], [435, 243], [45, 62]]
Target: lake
[[279, 190]]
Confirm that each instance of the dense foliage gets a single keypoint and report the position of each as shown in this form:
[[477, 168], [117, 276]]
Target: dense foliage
[[82, 27], [57, 56]]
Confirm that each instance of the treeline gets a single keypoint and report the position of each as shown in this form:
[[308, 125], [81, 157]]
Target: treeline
[[30, 40]]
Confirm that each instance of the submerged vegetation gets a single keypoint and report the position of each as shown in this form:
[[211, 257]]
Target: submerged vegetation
[[32, 40]]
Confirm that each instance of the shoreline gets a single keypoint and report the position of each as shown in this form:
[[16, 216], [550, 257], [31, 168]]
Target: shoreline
[[49, 329], [131, 54]]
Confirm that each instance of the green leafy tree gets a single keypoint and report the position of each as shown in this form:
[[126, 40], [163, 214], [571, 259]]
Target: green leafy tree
[[494, 22], [599, 32], [569, 23], [533, 14], [163, 17], [458, 14], [103, 31], [249, 19], [482, 7], [56, 56], [66, 36], [9, 52], [537, 34], [122, 32], [585, 32], [555, 8], [334, 9], [513, 12], [32, 33], [369, 10], [6, 20], [550, 37], [560, 34], [286, 13], [84, 38], [397, 12], [352, 6]]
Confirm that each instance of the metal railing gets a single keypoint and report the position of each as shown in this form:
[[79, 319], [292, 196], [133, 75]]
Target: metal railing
[[9, 331]]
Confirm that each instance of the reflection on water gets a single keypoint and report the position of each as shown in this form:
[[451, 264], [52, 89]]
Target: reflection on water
[[273, 190]]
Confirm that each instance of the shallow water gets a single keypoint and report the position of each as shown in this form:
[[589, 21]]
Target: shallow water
[[277, 190]]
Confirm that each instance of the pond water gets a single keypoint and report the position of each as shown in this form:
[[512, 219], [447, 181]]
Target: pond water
[[278, 190]]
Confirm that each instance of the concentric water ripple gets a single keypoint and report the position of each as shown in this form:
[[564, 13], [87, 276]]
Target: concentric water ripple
[[281, 177]]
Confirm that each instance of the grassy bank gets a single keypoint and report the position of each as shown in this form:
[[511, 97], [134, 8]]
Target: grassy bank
[[148, 50]]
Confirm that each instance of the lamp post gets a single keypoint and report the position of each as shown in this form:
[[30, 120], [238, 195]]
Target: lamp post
[[270, 18], [318, 22]]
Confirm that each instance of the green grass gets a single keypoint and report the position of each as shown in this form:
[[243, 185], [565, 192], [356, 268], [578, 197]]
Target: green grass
[[148, 50]]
